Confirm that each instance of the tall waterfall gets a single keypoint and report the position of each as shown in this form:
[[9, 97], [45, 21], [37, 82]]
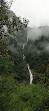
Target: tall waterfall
[[31, 75]]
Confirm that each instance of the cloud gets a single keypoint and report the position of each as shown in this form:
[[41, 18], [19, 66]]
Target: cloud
[[34, 33]]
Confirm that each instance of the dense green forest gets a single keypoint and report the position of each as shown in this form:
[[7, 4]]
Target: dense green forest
[[16, 94]]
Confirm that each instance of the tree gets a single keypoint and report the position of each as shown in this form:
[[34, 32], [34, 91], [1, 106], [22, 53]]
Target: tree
[[25, 21], [4, 6]]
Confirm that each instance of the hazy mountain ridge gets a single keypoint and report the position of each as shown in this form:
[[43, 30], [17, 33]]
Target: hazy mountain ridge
[[35, 33]]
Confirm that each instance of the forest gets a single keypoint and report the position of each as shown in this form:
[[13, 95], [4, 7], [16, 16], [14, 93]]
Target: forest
[[16, 93]]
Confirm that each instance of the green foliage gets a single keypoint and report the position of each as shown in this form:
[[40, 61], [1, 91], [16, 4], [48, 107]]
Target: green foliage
[[22, 97], [3, 48], [3, 12], [20, 69], [6, 66]]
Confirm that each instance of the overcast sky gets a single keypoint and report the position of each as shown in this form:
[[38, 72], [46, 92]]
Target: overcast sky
[[37, 11]]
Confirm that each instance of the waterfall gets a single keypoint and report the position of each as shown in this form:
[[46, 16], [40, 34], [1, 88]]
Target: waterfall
[[23, 49], [23, 46], [23, 56], [31, 75]]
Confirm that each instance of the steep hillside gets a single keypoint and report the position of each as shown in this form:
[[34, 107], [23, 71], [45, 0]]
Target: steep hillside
[[22, 59]]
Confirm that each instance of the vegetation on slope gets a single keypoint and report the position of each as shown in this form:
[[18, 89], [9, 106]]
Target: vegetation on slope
[[15, 92], [22, 97]]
